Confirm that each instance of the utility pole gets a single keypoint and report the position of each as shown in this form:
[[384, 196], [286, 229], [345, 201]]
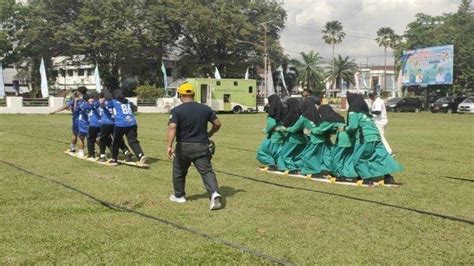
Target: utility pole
[[265, 56]]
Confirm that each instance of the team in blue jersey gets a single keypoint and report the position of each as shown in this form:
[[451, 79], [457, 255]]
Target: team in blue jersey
[[104, 120]]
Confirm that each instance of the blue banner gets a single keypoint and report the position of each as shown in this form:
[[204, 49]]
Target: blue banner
[[428, 66]]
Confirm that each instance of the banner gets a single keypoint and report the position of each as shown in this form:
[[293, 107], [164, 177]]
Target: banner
[[428, 66], [98, 86], [269, 85], [165, 78], [2, 84], [44, 80], [247, 74]]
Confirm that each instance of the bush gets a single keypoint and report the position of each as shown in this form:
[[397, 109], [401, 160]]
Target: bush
[[149, 92]]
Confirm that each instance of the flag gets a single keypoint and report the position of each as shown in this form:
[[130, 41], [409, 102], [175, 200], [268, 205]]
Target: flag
[[165, 80], [217, 75], [98, 86], [269, 85], [282, 77], [247, 73], [44, 80], [357, 79], [2, 85]]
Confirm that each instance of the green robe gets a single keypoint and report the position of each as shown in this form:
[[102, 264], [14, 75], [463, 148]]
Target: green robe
[[289, 157], [342, 165], [270, 147], [316, 157], [370, 158]]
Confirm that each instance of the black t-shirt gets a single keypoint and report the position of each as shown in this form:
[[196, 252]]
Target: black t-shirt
[[191, 119]]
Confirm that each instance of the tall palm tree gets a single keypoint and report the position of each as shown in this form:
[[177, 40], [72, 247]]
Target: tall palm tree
[[333, 34], [310, 74], [344, 69], [387, 38]]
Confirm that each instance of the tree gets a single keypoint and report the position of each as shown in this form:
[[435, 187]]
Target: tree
[[333, 34], [344, 69], [387, 38], [310, 74]]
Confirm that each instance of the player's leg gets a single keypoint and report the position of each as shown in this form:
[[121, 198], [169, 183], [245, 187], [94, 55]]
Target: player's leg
[[75, 132], [82, 136], [381, 129], [181, 164], [105, 140], [202, 162], [119, 132], [91, 137], [134, 144]]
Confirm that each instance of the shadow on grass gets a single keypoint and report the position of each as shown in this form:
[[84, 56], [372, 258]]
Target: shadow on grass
[[226, 192]]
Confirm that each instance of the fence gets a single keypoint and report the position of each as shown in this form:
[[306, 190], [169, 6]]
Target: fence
[[35, 102], [146, 102]]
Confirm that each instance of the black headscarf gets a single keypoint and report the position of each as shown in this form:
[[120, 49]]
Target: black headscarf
[[275, 107], [292, 113], [328, 114], [311, 112], [118, 95], [357, 104]]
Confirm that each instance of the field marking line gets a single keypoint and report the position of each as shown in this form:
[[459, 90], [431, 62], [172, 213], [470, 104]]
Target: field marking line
[[192, 230]]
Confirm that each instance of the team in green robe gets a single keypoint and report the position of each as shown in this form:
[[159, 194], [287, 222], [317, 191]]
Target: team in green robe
[[356, 154]]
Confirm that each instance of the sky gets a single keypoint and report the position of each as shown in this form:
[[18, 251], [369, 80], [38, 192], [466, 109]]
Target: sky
[[360, 18]]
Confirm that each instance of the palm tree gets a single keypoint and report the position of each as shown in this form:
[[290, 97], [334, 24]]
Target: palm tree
[[343, 69], [387, 38], [333, 34], [309, 70]]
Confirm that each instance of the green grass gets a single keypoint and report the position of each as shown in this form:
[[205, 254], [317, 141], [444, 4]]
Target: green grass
[[43, 222]]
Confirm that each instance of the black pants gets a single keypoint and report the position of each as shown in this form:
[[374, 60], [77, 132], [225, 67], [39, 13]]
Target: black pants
[[91, 139], [105, 139], [131, 133], [197, 153]]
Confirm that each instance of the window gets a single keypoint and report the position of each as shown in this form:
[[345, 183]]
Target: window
[[70, 72], [250, 89], [62, 72], [55, 74], [227, 98], [236, 83], [218, 83], [89, 72], [169, 72], [81, 72]]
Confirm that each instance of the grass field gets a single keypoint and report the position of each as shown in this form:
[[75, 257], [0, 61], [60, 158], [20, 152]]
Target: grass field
[[266, 219]]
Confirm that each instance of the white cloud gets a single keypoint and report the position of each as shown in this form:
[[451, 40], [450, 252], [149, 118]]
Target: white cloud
[[360, 18]]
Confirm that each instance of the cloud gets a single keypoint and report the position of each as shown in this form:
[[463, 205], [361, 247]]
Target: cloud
[[360, 18]]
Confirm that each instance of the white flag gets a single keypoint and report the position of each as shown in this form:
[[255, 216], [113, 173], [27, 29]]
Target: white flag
[[44, 80], [217, 75], [2, 85], [357, 78], [165, 78], [98, 86], [247, 73], [269, 85]]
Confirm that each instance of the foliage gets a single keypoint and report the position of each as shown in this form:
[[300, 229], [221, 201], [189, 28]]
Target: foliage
[[149, 92], [309, 72], [342, 69], [333, 33], [387, 38], [128, 39]]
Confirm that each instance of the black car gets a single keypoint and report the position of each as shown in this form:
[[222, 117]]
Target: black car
[[446, 104], [404, 104]]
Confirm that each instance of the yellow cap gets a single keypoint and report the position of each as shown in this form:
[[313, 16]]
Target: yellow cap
[[186, 89]]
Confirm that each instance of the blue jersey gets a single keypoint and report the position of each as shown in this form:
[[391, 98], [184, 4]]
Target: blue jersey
[[123, 113], [93, 113], [107, 114], [84, 117], [75, 109]]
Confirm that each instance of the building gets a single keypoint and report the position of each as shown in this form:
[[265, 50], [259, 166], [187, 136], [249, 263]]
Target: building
[[371, 79]]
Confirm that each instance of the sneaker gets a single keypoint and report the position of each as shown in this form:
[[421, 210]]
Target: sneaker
[[112, 162], [128, 157], [177, 199], [272, 168], [393, 155], [388, 179], [143, 160], [80, 153], [102, 159], [215, 201]]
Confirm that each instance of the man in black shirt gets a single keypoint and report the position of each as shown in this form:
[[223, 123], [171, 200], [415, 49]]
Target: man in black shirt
[[188, 124]]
